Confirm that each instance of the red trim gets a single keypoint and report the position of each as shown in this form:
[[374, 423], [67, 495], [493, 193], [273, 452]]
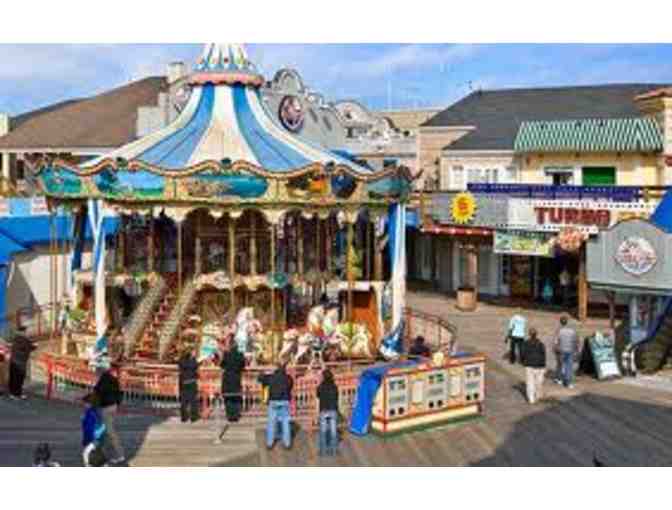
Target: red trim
[[456, 231]]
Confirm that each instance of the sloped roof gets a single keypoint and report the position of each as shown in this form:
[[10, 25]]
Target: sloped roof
[[104, 120], [498, 114], [590, 135]]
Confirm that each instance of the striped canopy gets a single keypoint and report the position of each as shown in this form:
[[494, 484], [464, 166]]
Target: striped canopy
[[226, 118], [640, 134]]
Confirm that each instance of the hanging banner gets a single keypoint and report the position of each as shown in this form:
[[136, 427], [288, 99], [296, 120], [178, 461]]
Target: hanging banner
[[604, 356], [523, 243]]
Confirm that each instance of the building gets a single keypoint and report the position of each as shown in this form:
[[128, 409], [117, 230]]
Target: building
[[603, 134], [537, 164]]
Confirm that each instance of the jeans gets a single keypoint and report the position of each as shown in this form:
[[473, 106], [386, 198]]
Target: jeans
[[112, 440], [567, 368], [328, 433], [278, 411]]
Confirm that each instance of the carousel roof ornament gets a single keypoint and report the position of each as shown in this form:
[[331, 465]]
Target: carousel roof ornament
[[224, 143]]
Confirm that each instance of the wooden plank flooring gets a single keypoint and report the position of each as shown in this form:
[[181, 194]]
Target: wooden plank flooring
[[623, 424]]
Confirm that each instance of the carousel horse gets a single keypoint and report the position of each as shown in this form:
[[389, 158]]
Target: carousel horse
[[243, 324], [355, 345]]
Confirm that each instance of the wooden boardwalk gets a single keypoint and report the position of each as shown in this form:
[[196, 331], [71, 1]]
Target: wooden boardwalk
[[624, 425]]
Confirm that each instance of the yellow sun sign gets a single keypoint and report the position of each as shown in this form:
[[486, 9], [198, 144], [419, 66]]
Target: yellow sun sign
[[463, 208]]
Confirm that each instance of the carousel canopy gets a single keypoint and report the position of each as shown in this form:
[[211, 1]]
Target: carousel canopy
[[224, 128]]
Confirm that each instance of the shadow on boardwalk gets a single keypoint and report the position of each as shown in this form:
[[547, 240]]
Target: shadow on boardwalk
[[23, 424]]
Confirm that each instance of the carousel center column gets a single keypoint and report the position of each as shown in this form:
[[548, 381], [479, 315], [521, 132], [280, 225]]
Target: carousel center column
[[274, 219]]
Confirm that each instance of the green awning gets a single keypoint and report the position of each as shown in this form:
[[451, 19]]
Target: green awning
[[641, 134]]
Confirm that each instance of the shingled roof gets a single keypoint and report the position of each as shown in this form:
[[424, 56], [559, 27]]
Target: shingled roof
[[104, 120], [498, 114]]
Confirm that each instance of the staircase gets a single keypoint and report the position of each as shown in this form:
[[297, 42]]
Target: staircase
[[653, 355], [173, 323], [148, 346], [142, 314]]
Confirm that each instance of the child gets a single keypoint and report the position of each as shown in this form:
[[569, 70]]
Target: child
[[93, 433], [42, 456], [327, 393]]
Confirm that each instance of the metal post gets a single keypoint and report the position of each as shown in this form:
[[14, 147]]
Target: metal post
[[253, 243], [179, 259], [273, 328], [350, 270], [150, 243], [232, 263]]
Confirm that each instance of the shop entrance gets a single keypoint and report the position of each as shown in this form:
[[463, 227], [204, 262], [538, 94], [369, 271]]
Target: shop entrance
[[521, 276], [557, 281]]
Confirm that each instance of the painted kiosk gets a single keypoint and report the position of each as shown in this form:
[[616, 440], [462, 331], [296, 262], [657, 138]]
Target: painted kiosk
[[232, 228], [634, 258]]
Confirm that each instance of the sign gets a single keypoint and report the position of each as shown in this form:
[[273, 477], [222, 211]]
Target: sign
[[636, 256], [291, 113], [38, 206], [463, 208], [570, 216], [604, 356], [523, 243], [588, 216]]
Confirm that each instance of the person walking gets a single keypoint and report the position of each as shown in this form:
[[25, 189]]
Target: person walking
[[327, 393], [516, 335], [108, 391], [534, 359], [232, 365], [22, 347], [188, 381], [93, 432], [4, 366], [565, 279], [279, 385], [567, 344]]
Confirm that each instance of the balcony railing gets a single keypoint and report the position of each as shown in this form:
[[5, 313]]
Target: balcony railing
[[549, 191]]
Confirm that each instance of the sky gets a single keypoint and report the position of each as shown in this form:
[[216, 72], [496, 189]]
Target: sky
[[379, 75]]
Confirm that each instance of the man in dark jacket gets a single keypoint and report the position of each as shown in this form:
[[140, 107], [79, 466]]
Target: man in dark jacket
[[22, 347], [279, 386], [188, 367], [419, 348], [327, 393], [109, 392], [232, 365], [534, 360]]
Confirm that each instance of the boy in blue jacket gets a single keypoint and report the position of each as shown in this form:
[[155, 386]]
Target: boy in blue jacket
[[93, 432]]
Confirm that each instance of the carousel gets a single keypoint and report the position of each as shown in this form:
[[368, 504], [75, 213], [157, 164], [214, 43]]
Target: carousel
[[231, 227]]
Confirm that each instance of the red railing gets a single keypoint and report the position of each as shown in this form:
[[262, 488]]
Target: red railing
[[154, 388]]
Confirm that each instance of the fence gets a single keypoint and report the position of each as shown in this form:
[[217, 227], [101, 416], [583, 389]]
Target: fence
[[154, 388]]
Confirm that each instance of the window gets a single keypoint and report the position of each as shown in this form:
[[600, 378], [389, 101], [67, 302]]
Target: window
[[20, 170], [511, 174], [560, 176], [599, 176], [458, 177]]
